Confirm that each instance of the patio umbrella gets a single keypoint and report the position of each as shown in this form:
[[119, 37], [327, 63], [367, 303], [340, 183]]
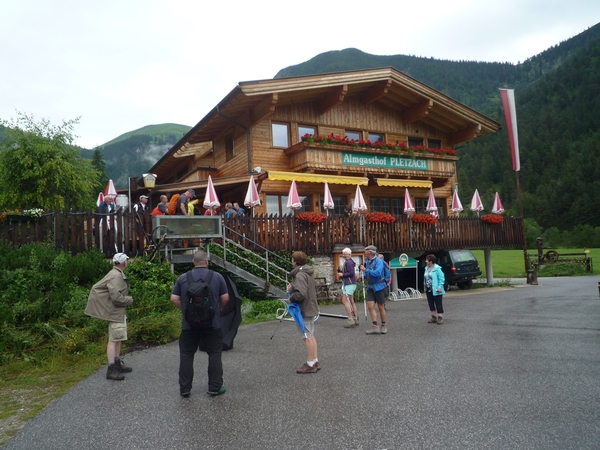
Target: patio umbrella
[[476, 204], [110, 190], [497, 207], [296, 313], [211, 201], [456, 204], [252, 199], [100, 199], [327, 199], [431, 205], [359, 203], [408, 204], [293, 201]]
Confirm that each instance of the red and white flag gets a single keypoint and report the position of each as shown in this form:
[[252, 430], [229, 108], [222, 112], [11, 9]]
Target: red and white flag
[[508, 102]]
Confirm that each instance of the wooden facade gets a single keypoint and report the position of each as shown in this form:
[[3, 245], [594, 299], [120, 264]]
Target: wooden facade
[[257, 128]]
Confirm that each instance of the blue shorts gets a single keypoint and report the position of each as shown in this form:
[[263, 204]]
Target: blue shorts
[[349, 289]]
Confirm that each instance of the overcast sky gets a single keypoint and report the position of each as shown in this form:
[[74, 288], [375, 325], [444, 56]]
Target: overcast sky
[[120, 65]]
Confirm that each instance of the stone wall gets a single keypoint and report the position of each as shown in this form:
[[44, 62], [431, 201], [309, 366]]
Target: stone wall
[[323, 266]]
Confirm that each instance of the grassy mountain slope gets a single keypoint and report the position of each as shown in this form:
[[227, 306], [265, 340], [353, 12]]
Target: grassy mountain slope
[[154, 131]]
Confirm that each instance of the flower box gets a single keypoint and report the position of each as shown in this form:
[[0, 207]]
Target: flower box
[[380, 217], [492, 218], [424, 218], [311, 217]]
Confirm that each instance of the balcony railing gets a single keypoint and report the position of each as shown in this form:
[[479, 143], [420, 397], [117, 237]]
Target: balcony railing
[[78, 231]]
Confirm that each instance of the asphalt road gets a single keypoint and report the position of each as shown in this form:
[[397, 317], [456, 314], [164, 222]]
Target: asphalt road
[[511, 368]]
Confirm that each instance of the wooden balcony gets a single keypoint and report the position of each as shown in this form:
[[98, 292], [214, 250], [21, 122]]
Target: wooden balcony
[[78, 231]]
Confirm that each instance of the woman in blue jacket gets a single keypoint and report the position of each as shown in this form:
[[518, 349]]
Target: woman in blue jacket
[[434, 288]]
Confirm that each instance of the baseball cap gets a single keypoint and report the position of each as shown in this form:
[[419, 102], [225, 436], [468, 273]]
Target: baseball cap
[[143, 197], [120, 258], [193, 192], [371, 248]]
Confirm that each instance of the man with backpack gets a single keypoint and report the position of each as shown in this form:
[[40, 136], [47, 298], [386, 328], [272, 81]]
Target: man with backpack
[[201, 294], [374, 275]]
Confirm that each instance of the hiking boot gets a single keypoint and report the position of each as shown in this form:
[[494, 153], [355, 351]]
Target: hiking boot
[[221, 390], [356, 322], [317, 365], [373, 330], [383, 329], [440, 320], [349, 323], [121, 365], [432, 320], [113, 373], [307, 369], [185, 394]]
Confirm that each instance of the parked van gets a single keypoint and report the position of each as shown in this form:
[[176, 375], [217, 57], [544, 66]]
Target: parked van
[[460, 267]]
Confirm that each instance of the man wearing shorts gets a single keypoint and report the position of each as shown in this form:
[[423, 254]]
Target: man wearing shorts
[[373, 275], [108, 301]]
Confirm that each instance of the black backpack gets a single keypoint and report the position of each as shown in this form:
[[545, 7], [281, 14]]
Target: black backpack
[[199, 312]]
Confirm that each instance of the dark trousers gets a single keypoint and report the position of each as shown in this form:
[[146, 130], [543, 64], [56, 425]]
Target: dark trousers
[[435, 302], [209, 341]]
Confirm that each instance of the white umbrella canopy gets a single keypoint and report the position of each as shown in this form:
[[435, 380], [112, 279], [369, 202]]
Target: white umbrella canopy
[[408, 204], [327, 199], [476, 204], [431, 205], [100, 198], [211, 201], [293, 201], [497, 207], [359, 203], [110, 190], [252, 198], [456, 204]]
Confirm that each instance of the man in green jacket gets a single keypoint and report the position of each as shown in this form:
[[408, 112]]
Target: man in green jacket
[[108, 301]]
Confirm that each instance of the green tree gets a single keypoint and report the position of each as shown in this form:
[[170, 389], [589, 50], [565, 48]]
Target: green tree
[[100, 165], [41, 168]]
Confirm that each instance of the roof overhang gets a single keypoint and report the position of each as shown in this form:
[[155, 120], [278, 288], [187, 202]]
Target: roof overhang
[[404, 183], [316, 178]]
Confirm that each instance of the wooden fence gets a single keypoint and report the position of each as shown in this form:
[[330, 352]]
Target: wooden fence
[[78, 231]]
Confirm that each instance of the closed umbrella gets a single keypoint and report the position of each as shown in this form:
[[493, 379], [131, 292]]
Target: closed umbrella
[[327, 199], [476, 204], [497, 207], [252, 199], [110, 190], [296, 313], [359, 203], [293, 201], [100, 199], [431, 205], [456, 204], [408, 204], [211, 201]]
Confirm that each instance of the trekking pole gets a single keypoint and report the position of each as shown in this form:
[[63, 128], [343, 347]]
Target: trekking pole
[[284, 312], [364, 294]]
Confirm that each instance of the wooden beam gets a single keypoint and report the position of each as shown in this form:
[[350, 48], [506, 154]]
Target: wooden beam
[[417, 112], [464, 135], [264, 109], [334, 98], [376, 92]]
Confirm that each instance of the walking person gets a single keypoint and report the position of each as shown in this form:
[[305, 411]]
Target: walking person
[[108, 301], [434, 288], [374, 277], [302, 291], [208, 340], [182, 202], [347, 273]]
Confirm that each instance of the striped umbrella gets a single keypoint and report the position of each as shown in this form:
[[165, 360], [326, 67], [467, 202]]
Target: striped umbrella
[[293, 201], [252, 198], [476, 204], [431, 205], [456, 204], [359, 203], [408, 204], [110, 190], [211, 201], [327, 199], [497, 207]]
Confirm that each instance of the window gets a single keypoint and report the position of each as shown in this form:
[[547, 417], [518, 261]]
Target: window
[[415, 142], [379, 204], [421, 206], [305, 129], [375, 137], [229, 152], [339, 205], [434, 143], [281, 134], [277, 204], [356, 135]]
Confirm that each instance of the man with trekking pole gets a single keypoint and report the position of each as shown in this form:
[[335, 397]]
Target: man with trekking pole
[[374, 277]]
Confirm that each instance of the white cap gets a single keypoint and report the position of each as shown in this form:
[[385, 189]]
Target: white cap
[[120, 258]]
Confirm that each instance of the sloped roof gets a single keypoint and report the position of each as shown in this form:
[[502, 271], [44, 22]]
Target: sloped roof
[[252, 101]]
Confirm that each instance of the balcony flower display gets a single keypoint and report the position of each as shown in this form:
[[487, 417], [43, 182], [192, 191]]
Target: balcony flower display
[[399, 146], [380, 217], [424, 218], [311, 217], [492, 218]]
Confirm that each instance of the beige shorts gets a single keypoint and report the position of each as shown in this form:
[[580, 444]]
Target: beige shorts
[[117, 331]]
